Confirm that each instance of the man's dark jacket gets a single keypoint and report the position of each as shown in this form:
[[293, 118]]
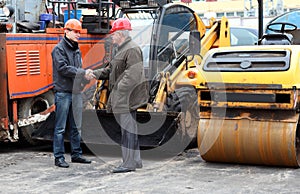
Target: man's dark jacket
[[68, 75]]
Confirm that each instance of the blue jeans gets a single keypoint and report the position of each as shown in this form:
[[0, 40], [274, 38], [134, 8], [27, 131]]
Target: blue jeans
[[68, 107]]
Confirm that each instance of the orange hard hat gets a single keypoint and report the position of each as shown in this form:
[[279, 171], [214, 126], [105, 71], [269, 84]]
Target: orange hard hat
[[121, 24], [73, 24]]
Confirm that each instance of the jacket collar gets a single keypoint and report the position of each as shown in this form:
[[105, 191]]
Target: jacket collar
[[70, 44], [128, 39]]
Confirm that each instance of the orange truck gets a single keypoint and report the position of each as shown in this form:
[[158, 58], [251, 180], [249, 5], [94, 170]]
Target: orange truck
[[26, 81]]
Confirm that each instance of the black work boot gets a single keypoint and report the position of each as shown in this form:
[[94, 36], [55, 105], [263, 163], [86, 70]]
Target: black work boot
[[81, 159], [60, 162]]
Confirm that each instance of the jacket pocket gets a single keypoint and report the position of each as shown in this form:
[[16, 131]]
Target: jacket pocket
[[119, 65]]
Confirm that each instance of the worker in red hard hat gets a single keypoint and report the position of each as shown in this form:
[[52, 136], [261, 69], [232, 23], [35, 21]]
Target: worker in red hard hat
[[121, 24], [128, 91], [69, 78]]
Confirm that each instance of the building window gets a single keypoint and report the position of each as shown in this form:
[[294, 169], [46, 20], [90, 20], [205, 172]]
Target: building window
[[220, 15], [240, 13], [230, 14]]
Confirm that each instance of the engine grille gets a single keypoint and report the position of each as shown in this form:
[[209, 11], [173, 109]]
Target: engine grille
[[244, 61]]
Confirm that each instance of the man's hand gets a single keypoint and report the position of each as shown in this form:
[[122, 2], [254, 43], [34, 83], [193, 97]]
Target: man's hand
[[89, 74]]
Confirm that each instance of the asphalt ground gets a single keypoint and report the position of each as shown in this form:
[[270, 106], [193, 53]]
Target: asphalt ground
[[31, 170]]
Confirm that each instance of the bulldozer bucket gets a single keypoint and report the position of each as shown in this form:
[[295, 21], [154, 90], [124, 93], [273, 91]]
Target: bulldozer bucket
[[271, 139], [154, 128]]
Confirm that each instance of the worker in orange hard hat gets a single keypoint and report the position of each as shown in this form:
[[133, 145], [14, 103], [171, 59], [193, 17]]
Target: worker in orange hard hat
[[128, 91], [69, 78], [72, 29]]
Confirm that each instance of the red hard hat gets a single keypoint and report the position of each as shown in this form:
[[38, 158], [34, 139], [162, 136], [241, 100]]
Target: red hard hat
[[73, 24], [121, 24]]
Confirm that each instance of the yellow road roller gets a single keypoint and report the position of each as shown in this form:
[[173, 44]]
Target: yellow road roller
[[249, 105]]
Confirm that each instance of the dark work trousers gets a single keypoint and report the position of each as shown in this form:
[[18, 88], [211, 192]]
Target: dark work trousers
[[130, 144]]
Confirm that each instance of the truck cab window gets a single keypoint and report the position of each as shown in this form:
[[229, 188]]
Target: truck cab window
[[173, 37]]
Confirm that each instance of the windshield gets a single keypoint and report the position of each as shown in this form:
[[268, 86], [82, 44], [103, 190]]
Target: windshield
[[169, 37]]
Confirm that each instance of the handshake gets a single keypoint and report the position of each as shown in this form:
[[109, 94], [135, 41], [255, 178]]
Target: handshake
[[89, 74]]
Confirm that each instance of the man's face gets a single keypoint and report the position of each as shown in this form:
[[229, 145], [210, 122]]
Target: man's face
[[73, 35], [116, 37]]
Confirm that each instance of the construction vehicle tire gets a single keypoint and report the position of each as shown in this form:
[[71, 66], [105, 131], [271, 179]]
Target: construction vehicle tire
[[31, 106], [184, 100]]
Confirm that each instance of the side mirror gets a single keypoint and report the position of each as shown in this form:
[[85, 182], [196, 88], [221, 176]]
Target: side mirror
[[194, 42], [8, 10]]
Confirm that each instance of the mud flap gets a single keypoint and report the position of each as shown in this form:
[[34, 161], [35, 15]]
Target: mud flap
[[46, 129]]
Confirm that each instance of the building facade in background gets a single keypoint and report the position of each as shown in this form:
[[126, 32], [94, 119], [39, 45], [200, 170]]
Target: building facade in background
[[241, 8], [241, 12]]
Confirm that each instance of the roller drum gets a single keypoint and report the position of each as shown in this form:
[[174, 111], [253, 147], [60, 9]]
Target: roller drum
[[249, 141]]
